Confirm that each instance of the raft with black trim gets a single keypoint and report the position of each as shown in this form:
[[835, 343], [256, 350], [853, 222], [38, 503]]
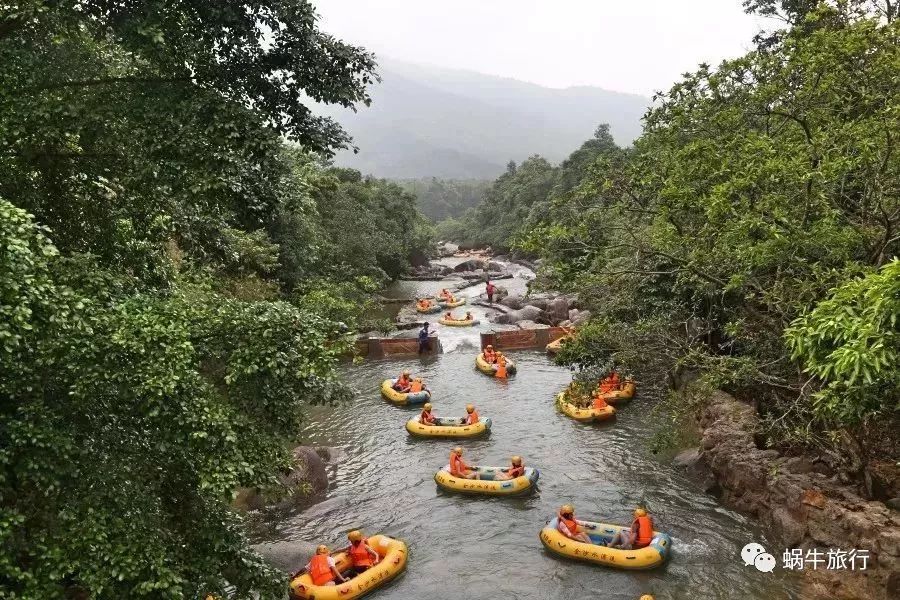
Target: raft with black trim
[[584, 415], [626, 393], [389, 393], [393, 553], [597, 553], [447, 428], [454, 304], [435, 308], [458, 322], [489, 369], [486, 485]]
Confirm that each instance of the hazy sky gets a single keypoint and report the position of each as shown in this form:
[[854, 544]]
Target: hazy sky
[[625, 45]]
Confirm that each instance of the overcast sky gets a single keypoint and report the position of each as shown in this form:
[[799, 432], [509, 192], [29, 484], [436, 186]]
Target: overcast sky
[[637, 46]]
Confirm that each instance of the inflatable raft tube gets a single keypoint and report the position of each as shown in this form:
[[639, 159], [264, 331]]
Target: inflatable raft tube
[[489, 369], [649, 557], [458, 322], [626, 393], [457, 302], [389, 393], [428, 311], [584, 415], [394, 554], [486, 485], [447, 428]]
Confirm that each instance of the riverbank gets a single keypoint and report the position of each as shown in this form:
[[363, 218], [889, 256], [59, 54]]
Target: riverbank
[[800, 502]]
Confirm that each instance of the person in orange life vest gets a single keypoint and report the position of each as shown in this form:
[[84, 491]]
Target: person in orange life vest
[[424, 303], [449, 316], [426, 418], [362, 555], [516, 470], [472, 417], [501, 366], [489, 355], [446, 295], [639, 536], [458, 467], [599, 401], [568, 525], [403, 382], [416, 386], [322, 569]]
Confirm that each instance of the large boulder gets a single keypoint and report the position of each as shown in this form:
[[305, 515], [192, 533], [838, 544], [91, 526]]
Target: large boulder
[[472, 264], [581, 317], [307, 477], [558, 310], [493, 265], [514, 301], [287, 556], [529, 313], [500, 293]]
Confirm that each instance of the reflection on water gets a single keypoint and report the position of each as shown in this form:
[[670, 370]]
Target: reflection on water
[[465, 547]]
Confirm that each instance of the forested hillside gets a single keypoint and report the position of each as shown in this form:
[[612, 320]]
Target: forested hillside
[[440, 199], [434, 122], [176, 283], [750, 236]]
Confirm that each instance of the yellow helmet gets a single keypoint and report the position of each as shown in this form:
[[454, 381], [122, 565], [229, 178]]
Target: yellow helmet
[[470, 408], [355, 535], [489, 347], [646, 597], [517, 460], [407, 372], [457, 450], [323, 549], [419, 379], [566, 509], [427, 406], [640, 512]]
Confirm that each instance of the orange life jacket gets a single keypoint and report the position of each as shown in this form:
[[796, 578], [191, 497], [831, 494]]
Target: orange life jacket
[[359, 554], [426, 418], [501, 368], [402, 382], [644, 532], [472, 418], [415, 386], [571, 524], [515, 472], [599, 402], [319, 570], [458, 467]]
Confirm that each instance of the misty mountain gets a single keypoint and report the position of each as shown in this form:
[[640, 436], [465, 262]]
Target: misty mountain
[[430, 121]]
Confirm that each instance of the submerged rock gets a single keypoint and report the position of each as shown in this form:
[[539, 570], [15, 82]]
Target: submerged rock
[[307, 477]]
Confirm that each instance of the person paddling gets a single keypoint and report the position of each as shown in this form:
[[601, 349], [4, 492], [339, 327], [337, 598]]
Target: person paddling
[[322, 569], [426, 418], [458, 467], [472, 417], [362, 555], [568, 525], [403, 382], [516, 470], [638, 536]]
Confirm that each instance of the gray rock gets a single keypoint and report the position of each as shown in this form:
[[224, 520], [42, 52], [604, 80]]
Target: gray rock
[[309, 469], [472, 264], [566, 324], [893, 503], [493, 265], [798, 464], [687, 458], [573, 312], [514, 301], [286, 556], [529, 313], [558, 310], [582, 317]]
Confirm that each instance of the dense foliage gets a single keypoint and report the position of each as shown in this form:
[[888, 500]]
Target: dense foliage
[[764, 192], [176, 282], [442, 199]]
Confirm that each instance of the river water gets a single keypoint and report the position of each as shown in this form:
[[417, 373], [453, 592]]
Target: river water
[[464, 547]]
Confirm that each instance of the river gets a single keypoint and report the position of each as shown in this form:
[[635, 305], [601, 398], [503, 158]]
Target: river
[[465, 547]]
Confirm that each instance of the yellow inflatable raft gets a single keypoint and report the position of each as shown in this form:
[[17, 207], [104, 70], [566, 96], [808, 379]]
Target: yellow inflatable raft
[[447, 428], [456, 302], [597, 553], [434, 308], [457, 322], [489, 369], [486, 484], [394, 554], [584, 415], [626, 393], [555, 346], [389, 393]]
